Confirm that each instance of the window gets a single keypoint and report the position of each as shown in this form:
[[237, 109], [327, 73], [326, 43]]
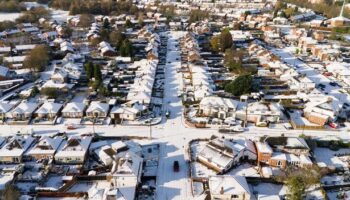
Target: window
[[279, 163]]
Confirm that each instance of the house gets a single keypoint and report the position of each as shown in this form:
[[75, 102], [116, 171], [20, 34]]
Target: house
[[126, 172], [23, 111], [59, 76], [48, 110], [130, 111], [322, 109], [258, 112], [97, 109], [283, 151], [74, 70], [74, 110], [4, 73], [222, 154], [45, 148], [217, 107], [106, 49], [229, 188], [4, 108], [14, 148], [73, 151]]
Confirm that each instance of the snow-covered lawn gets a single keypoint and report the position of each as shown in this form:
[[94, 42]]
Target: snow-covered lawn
[[201, 171], [9, 16], [326, 157], [88, 186], [245, 170], [54, 182], [267, 189]]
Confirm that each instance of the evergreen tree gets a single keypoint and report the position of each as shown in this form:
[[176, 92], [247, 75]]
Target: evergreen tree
[[225, 39], [89, 70], [106, 23]]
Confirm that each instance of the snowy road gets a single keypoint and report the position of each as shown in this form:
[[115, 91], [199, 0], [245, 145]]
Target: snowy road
[[170, 184]]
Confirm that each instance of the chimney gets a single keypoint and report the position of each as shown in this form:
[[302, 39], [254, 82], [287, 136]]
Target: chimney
[[222, 190]]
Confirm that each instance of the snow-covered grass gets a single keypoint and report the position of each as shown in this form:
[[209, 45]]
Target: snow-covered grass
[[267, 189], [197, 188], [9, 16], [54, 182], [201, 171], [245, 170], [87, 186], [326, 157]]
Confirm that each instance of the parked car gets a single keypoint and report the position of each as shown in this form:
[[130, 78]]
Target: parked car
[[176, 166], [167, 114], [234, 129], [333, 125]]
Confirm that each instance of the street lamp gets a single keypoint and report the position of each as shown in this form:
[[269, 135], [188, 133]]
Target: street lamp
[[94, 120]]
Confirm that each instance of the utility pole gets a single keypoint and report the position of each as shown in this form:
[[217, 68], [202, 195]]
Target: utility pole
[[150, 130]]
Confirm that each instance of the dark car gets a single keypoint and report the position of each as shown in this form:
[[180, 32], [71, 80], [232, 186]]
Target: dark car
[[176, 166]]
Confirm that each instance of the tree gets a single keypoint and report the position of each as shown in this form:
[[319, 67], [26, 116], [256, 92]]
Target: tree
[[89, 69], [97, 73], [296, 187], [233, 60], [241, 85], [34, 91], [11, 192], [37, 59], [215, 43], [50, 92], [33, 15], [126, 48], [128, 24], [198, 15], [106, 23], [7, 25], [86, 20], [225, 39], [116, 38]]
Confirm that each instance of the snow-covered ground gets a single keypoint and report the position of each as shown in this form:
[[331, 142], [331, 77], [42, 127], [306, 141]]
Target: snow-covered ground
[[58, 15], [245, 170], [170, 184], [268, 189], [9, 16], [326, 157]]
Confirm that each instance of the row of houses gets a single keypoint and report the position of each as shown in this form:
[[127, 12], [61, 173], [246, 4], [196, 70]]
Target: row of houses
[[25, 111], [123, 161], [197, 80], [71, 151], [223, 108]]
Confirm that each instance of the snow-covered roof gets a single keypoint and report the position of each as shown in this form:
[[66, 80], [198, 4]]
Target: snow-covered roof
[[46, 145], [16, 146], [96, 106], [263, 147], [234, 185], [74, 107], [3, 71], [213, 101], [25, 108], [129, 164], [75, 146], [5, 107], [49, 107]]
